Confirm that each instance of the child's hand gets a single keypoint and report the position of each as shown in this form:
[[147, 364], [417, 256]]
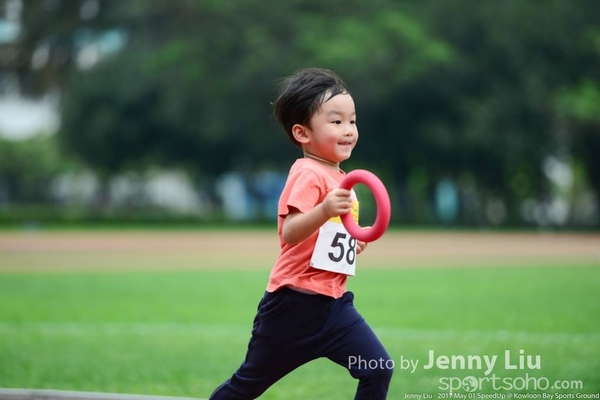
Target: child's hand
[[360, 246], [337, 202]]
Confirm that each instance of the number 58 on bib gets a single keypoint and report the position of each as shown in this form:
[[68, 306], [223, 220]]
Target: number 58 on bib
[[335, 249]]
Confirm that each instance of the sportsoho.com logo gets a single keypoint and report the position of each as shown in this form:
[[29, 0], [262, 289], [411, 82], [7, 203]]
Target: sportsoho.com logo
[[471, 384]]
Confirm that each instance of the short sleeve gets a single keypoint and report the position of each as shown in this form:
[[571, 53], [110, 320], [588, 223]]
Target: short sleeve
[[303, 191]]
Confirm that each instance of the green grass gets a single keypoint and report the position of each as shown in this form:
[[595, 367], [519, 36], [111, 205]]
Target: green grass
[[183, 333]]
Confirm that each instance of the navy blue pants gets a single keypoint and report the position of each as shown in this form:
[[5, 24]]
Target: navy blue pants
[[292, 328]]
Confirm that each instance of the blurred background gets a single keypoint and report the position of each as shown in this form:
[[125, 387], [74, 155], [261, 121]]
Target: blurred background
[[474, 114]]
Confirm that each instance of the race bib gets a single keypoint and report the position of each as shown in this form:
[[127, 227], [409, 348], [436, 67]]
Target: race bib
[[335, 249]]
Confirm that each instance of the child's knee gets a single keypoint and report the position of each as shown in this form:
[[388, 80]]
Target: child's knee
[[380, 370], [383, 374]]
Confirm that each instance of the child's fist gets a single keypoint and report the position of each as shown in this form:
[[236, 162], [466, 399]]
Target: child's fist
[[337, 202]]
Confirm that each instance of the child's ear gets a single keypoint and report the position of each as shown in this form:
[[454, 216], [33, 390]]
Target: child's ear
[[300, 133]]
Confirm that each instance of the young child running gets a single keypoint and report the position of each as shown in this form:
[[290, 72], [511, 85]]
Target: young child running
[[306, 312]]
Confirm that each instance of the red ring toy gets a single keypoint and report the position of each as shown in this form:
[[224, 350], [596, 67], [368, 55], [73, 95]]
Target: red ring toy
[[382, 199]]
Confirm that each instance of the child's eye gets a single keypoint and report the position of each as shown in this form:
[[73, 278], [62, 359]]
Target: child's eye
[[337, 122], [353, 122]]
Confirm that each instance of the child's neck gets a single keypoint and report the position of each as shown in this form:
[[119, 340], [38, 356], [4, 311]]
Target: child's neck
[[329, 164]]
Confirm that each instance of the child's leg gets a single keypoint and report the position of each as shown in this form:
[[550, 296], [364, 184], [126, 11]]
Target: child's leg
[[283, 338], [349, 341], [263, 366]]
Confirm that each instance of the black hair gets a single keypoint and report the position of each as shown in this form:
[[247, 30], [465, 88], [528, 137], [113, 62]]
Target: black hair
[[301, 95]]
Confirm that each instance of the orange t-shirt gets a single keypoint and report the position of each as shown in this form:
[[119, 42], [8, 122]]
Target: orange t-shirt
[[307, 185]]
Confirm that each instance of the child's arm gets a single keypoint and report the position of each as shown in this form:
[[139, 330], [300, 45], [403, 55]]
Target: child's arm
[[298, 226]]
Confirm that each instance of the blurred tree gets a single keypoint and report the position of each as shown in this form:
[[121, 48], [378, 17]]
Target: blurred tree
[[207, 73], [450, 88], [491, 109], [580, 106], [28, 167], [52, 38]]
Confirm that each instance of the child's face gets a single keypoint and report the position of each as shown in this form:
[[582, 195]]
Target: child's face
[[333, 133]]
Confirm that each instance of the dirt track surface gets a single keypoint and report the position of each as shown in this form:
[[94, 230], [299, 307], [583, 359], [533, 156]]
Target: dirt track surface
[[89, 250]]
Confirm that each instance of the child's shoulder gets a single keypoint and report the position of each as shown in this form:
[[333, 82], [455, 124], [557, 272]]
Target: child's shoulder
[[304, 163], [307, 164], [312, 173], [304, 166]]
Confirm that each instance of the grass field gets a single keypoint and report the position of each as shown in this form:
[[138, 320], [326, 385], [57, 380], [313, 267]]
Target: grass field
[[169, 313]]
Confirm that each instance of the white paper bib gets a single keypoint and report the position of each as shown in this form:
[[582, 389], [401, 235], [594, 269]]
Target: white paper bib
[[335, 249]]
